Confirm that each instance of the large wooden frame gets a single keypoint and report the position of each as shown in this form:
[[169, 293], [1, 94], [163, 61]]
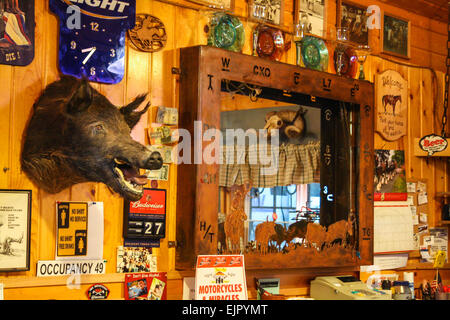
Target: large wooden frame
[[202, 69]]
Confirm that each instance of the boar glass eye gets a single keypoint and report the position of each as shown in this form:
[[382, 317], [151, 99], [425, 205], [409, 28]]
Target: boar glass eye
[[279, 122], [98, 128]]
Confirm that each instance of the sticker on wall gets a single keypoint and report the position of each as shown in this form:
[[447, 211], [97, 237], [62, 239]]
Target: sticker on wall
[[149, 33], [17, 32], [92, 37], [98, 292]]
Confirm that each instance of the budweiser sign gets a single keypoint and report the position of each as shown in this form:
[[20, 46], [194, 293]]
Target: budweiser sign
[[433, 143], [153, 201]]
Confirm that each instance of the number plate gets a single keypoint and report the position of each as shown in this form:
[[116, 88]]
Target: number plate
[[146, 218]]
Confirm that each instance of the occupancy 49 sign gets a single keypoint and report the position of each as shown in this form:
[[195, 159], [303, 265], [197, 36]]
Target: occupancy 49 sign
[[220, 277]]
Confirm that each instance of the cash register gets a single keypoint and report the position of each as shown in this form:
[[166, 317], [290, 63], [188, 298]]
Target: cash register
[[344, 288]]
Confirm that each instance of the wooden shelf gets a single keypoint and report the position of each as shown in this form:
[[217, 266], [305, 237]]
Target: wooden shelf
[[26, 282], [442, 195]]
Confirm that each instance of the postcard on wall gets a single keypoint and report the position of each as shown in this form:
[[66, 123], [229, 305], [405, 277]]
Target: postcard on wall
[[15, 220], [79, 230], [311, 14], [146, 286], [135, 259], [436, 241], [390, 177]]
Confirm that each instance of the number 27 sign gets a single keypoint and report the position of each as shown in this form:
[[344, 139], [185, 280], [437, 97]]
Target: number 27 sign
[[146, 218]]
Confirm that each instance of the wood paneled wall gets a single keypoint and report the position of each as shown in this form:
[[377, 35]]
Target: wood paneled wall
[[146, 72]]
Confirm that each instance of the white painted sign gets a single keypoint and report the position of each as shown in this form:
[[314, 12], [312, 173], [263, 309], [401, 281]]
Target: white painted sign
[[220, 277], [49, 268]]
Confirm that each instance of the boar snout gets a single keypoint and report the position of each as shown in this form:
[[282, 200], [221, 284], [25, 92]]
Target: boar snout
[[155, 161]]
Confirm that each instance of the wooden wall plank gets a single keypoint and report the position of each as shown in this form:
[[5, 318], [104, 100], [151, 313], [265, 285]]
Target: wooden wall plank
[[147, 72]]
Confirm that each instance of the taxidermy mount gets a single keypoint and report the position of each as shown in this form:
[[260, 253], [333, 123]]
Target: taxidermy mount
[[76, 135]]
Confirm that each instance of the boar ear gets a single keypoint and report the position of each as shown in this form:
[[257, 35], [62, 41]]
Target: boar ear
[[81, 99], [132, 117]]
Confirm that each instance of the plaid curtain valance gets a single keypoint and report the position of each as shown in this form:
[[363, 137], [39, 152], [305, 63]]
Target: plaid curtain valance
[[295, 164]]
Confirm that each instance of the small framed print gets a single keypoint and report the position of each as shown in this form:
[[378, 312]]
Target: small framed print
[[311, 14], [17, 26], [266, 11], [227, 5], [354, 18], [396, 36], [15, 226]]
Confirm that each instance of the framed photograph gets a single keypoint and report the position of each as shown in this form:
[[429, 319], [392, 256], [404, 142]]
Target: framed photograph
[[395, 36], [266, 11], [311, 14], [227, 5], [354, 17], [15, 226]]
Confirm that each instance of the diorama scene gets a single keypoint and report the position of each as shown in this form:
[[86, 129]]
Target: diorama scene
[[297, 212], [224, 150]]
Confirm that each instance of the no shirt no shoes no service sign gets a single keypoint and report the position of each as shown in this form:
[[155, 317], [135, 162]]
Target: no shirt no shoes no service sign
[[72, 228]]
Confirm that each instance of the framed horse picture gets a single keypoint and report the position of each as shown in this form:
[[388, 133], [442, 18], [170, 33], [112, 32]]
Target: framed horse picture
[[391, 103], [396, 36]]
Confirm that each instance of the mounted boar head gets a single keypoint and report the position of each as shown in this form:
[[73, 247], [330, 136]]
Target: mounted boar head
[[76, 135]]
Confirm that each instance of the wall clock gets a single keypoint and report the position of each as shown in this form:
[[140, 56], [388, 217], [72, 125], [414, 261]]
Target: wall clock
[[17, 32], [94, 48]]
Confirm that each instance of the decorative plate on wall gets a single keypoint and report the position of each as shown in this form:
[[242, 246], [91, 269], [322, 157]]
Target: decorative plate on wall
[[349, 63], [149, 34], [226, 32], [269, 43], [314, 53]]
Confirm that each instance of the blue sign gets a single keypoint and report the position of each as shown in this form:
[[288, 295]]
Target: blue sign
[[92, 37]]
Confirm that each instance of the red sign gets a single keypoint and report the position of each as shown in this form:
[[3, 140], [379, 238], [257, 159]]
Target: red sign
[[146, 286], [152, 202], [146, 218]]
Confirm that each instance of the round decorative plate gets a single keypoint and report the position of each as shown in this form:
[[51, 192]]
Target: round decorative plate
[[349, 63], [270, 43], [226, 32], [149, 33], [314, 53]]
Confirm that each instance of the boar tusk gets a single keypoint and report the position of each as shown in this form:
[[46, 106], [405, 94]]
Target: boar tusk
[[119, 161]]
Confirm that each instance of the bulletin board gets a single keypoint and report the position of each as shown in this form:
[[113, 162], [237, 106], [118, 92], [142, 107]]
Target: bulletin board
[[418, 201]]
